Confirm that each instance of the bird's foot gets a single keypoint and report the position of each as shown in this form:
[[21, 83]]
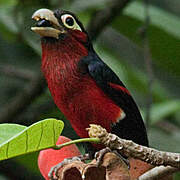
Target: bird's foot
[[100, 154], [53, 173]]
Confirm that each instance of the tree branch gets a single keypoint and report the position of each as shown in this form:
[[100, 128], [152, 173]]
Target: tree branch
[[131, 149], [158, 173], [104, 17]]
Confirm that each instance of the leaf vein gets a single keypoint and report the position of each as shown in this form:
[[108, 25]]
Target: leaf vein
[[41, 133]]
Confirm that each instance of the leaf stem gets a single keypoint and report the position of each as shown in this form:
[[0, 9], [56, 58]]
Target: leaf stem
[[92, 140]]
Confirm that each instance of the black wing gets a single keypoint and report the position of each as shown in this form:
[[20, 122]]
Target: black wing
[[132, 126]]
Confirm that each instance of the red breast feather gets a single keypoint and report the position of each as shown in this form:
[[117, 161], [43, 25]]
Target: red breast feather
[[76, 94]]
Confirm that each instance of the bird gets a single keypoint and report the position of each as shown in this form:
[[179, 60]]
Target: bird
[[83, 86]]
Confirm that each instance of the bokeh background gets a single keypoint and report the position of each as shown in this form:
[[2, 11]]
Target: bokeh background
[[140, 40]]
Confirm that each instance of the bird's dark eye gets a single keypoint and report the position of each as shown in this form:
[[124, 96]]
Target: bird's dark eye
[[69, 21]]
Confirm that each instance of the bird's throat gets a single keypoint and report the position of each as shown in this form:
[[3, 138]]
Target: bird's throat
[[59, 65], [61, 56]]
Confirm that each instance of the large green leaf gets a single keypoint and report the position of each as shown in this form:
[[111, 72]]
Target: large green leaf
[[163, 37], [168, 5], [22, 140], [159, 18], [162, 110], [7, 131]]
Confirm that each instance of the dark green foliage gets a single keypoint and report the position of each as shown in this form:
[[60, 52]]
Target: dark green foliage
[[120, 45]]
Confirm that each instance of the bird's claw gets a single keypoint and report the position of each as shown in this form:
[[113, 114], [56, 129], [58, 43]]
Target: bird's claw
[[125, 160], [53, 173], [100, 154]]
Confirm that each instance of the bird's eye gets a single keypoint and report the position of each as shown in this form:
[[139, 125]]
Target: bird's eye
[[69, 21]]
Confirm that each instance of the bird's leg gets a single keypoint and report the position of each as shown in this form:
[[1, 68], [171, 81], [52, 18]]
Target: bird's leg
[[53, 173], [100, 154]]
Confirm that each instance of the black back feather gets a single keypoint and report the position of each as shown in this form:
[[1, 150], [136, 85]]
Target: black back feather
[[132, 126]]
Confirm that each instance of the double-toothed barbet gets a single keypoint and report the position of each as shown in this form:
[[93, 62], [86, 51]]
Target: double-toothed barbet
[[83, 87]]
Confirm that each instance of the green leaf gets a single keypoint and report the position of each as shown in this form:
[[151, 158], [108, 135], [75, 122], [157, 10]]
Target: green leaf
[[162, 110], [8, 2], [168, 5], [176, 176], [22, 140], [159, 18], [164, 141], [163, 46], [29, 161], [7, 131], [7, 18]]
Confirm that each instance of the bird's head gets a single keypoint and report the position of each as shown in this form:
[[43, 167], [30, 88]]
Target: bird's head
[[58, 25], [64, 41]]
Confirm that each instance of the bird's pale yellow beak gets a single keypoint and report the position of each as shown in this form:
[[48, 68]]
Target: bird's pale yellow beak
[[47, 24]]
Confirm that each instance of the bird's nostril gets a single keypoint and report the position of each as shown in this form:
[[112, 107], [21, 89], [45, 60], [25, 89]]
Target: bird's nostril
[[43, 23]]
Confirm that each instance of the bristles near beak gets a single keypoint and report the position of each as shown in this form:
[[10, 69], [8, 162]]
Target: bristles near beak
[[54, 30]]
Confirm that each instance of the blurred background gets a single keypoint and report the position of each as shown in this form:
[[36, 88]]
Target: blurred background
[[140, 40]]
